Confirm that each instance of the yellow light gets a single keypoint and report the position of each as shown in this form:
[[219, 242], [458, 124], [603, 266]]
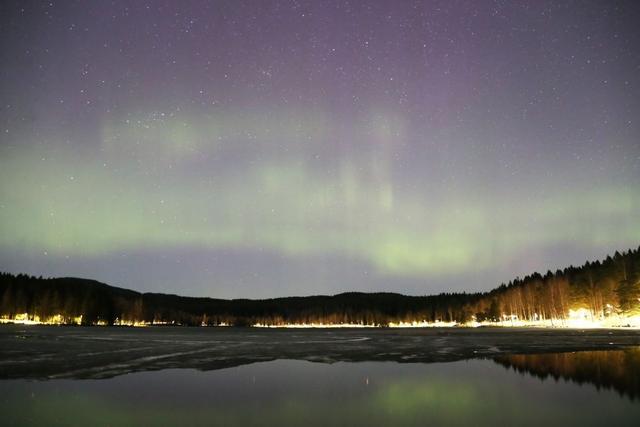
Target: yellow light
[[314, 325], [578, 318], [422, 324]]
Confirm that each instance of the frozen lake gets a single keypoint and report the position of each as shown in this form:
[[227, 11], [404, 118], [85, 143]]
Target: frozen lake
[[100, 352], [222, 376]]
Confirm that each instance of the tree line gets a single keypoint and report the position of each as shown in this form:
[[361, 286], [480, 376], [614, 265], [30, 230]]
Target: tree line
[[602, 289]]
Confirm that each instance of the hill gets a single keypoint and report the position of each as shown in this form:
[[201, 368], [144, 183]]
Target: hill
[[598, 293]]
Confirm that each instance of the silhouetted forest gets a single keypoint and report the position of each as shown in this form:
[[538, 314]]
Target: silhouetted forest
[[602, 289]]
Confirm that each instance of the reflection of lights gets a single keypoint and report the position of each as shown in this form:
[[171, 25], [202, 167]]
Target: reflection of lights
[[582, 318], [411, 324], [579, 318], [59, 319], [134, 323], [34, 319], [421, 324], [400, 324], [314, 325]]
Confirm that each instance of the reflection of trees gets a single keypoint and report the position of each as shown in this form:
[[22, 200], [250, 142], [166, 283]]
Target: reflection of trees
[[614, 369]]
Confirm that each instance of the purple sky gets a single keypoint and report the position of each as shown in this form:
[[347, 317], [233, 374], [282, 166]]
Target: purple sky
[[269, 148]]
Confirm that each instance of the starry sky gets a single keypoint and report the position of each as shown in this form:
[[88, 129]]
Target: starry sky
[[269, 148]]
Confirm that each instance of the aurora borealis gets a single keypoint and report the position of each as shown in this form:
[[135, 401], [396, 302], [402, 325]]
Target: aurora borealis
[[269, 148]]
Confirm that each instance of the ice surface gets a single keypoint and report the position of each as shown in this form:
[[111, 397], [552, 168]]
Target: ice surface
[[46, 352]]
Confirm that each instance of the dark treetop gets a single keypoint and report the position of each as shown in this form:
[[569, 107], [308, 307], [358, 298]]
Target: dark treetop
[[603, 288]]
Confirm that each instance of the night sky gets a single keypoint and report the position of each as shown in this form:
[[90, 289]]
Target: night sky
[[272, 148]]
